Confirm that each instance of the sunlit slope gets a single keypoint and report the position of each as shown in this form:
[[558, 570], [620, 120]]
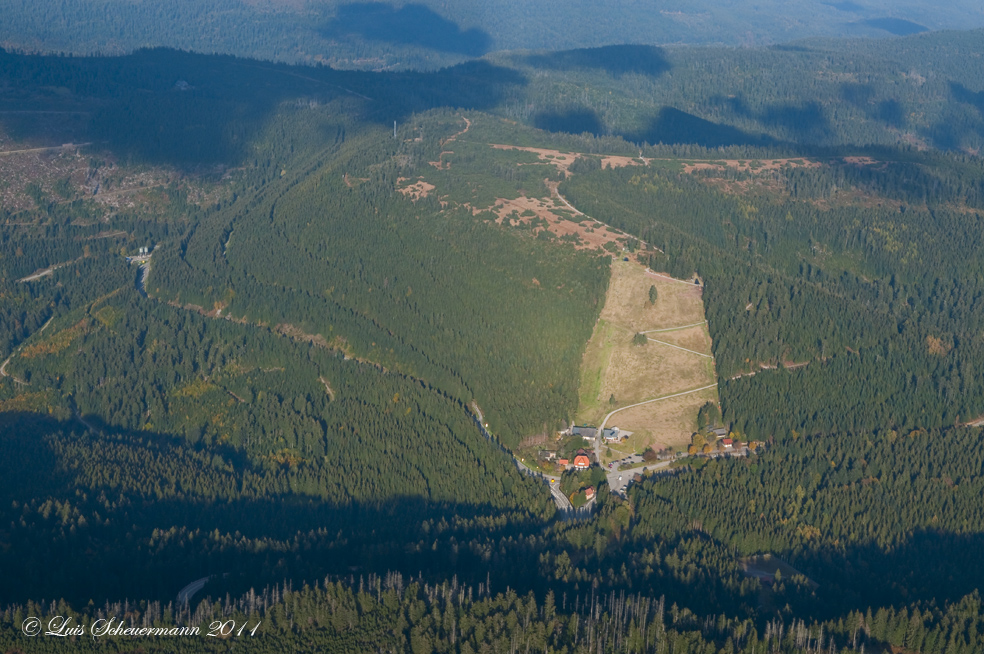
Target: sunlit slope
[[618, 371], [335, 252]]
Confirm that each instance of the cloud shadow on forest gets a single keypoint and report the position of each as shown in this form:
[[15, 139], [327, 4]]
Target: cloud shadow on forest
[[803, 124], [962, 127], [616, 60], [409, 25], [962, 94], [113, 559], [188, 110], [309, 537], [572, 121], [896, 26], [672, 126]]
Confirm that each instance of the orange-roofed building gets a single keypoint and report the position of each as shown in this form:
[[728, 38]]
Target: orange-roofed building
[[581, 462]]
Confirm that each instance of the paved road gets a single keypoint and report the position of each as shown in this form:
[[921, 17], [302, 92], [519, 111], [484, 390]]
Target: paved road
[[3, 371], [142, 282], [553, 481], [186, 593], [618, 480]]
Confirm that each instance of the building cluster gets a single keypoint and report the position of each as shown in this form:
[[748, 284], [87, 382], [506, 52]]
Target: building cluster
[[581, 461]]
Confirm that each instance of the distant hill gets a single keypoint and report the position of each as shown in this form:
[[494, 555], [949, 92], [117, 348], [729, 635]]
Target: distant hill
[[429, 34]]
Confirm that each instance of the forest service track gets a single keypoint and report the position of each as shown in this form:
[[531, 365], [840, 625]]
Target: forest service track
[[555, 191], [668, 278], [673, 329], [64, 146], [767, 368], [3, 366], [706, 356], [439, 164], [47, 271]]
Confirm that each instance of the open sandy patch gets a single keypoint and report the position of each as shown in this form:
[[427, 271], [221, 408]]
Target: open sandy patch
[[415, 191], [749, 165], [614, 161], [554, 217], [562, 160]]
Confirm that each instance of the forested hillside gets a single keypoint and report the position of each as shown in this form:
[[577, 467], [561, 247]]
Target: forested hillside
[[872, 303], [434, 295], [430, 34], [919, 91], [407, 615], [286, 386]]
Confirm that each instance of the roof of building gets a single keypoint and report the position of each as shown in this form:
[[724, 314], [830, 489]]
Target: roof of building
[[582, 461], [589, 492], [586, 432]]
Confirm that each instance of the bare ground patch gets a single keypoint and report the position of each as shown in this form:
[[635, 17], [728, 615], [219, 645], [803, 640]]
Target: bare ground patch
[[749, 165], [614, 161], [352, 182], [585, 235], [63, 175], [415, 191]]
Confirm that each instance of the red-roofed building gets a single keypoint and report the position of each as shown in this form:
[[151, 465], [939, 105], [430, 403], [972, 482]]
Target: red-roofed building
[[582, 462], [563, 462], [589, 492], [728, 443]]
